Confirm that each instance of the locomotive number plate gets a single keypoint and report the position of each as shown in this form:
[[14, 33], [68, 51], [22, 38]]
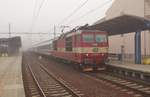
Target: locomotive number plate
[[95, 49]]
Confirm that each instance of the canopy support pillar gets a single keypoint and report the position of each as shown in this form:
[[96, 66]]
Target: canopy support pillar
[[138, 47]]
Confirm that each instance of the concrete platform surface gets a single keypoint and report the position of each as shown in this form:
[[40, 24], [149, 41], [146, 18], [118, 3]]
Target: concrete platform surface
[[131, 66], [11, 84]]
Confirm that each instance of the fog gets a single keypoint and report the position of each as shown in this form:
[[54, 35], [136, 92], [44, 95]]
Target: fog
[[40, 16]]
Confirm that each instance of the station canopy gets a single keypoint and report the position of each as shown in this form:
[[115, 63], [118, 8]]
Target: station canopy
[[122, 24]]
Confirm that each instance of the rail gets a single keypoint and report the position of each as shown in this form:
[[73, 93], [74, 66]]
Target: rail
[[60, 81], [130, 85], [37, 83]]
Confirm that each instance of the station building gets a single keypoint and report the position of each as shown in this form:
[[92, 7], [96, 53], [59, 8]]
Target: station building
[[10, 46], [124, 43]]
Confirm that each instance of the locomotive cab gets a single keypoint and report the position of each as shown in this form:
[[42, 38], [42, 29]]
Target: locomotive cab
[[94, 46]]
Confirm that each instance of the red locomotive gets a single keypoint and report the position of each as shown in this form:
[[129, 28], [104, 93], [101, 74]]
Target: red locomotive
[[88, 48]]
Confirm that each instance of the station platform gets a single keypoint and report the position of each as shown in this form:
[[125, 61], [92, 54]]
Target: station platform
[[11, 84], [137, 71], [127, 65]]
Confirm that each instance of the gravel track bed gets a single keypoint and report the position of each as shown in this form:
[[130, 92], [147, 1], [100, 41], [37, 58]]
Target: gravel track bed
[[89, 87]]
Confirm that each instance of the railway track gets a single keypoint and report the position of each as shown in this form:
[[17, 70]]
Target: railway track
[[39, 82], [31, 85], [124, 85], [130, 87]]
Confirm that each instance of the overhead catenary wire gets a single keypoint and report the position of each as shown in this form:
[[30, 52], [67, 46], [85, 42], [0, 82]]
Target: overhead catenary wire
[[74, 11], [91, 11], [78, 8], [71, 14], [36, 15], [33, 16], [42, 3], [26, 33]]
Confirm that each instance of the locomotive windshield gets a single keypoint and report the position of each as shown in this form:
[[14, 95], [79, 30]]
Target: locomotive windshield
[[88, 37], [100, 38]]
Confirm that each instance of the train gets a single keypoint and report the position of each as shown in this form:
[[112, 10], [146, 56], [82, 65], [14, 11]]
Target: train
[[86, 48]]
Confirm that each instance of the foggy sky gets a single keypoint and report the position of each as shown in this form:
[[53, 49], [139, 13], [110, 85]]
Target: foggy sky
[[21, 13]]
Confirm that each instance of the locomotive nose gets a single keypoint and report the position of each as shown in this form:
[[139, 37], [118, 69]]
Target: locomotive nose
[[91, 58]]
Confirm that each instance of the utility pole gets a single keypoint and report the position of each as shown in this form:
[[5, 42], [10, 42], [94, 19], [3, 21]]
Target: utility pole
[[54, 31], [9, 30]]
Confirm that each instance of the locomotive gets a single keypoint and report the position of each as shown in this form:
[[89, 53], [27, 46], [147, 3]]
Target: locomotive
[[87, 48]]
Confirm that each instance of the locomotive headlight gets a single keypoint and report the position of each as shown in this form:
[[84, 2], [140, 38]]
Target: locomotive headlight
[[102, 54], [87, 55]]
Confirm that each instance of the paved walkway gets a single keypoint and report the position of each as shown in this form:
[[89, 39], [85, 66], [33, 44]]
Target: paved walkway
[[131, 66], [11, 84]]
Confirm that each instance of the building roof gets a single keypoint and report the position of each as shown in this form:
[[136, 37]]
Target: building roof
[[3, 39], [99, 21], [122, 24]]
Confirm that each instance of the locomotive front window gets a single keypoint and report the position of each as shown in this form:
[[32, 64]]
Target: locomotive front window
[[100, 38], [88, 38]]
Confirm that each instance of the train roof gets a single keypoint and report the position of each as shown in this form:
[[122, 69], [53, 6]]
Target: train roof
[[75, 32]]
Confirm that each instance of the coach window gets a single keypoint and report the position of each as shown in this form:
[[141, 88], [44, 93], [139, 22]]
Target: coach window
[[69, 44]]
